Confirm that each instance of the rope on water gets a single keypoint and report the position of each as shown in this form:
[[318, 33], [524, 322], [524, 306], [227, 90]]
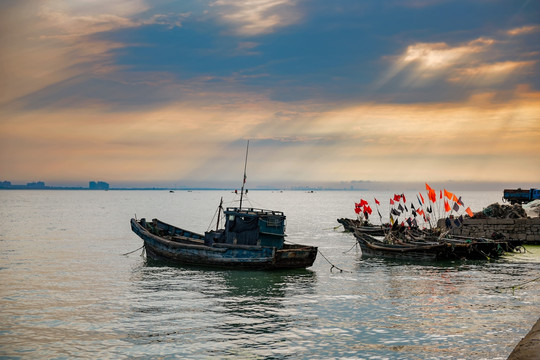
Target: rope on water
[[131, 252], [333, 266], [517, 286], [354, 246], [325, 258], [333, 228]]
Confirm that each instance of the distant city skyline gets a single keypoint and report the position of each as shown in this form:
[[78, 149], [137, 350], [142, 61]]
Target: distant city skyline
[[92, 185], [343, 185], [168, 92]]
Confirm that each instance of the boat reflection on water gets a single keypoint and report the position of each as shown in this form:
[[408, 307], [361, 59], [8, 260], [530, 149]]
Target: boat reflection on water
[[208, 312]]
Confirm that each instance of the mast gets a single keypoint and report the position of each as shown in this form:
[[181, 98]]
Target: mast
[[244, 182], [219, 213]]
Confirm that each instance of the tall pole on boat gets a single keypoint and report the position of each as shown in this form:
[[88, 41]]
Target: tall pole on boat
[[244, 181], [219, 213]]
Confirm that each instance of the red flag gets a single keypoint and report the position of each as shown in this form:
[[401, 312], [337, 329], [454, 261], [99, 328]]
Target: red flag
[[446, 206], [403, 196], [428, 188], [440, 196], [420, 211], [357, 210], [363, 202], [397, 197], [377, 202], [469, 212], [432, 195], [448, 194], [421, 197], [455, 199], [368, 209], [391, 202]]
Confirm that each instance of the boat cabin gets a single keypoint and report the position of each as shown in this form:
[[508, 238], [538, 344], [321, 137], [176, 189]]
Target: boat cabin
[[251, 227]]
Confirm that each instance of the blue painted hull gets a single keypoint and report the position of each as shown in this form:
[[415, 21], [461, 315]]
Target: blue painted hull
[[189, 248]]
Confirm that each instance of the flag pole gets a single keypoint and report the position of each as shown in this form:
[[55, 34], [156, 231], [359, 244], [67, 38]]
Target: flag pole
[[244, 181]]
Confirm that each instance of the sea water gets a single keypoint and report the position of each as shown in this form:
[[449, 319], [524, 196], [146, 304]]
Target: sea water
[[68, 288]]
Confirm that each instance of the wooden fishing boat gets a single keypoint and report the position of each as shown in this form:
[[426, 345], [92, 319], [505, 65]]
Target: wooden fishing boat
[[372, 247], [433, 249], [252, 238], [350, 225]]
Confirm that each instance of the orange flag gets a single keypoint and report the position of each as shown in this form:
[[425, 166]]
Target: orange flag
[[446, 206], [448, 194], [455, 199], [469, 212]]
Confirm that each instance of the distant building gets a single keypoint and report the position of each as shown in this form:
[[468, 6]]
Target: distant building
[[5, 184], [36, 185], [100, 185]]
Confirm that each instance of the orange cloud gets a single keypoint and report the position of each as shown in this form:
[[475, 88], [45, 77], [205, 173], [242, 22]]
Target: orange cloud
[[474, 63], [480, 139], [524, 30], [52, 43], [488, 74]]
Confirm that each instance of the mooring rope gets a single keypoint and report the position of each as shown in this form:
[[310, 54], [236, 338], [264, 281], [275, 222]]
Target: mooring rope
[[325, 258], [333, 228], [354, 246], [517, 286], [131, 252], [333, 266]]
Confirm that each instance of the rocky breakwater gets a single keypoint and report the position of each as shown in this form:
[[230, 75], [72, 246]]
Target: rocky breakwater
[[529, 347], [499, 222]]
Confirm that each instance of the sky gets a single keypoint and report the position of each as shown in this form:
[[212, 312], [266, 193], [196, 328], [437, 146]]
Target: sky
[[168, 92]]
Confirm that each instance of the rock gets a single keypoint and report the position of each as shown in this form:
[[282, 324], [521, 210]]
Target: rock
[[529, 347], [533, 208], [499, 211]]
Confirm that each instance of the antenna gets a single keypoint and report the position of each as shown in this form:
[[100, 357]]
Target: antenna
[[244, 182]]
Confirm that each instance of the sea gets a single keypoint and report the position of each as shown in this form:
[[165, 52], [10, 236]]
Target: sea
[[75, 284]]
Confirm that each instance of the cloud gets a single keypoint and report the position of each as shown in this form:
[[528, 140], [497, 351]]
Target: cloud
[[256, 17], [529, 29], [57, 41], [102, 16], [481, 62], [423, 63], [491, 74], [197, 141]]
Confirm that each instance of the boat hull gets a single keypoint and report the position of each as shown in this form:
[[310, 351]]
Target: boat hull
[[351, 225], [402, 252], [223, 255], [443, 249]]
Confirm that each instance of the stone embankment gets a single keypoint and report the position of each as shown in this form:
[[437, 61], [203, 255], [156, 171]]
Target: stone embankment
[[529, 347], [526, 229], [498, 221]]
